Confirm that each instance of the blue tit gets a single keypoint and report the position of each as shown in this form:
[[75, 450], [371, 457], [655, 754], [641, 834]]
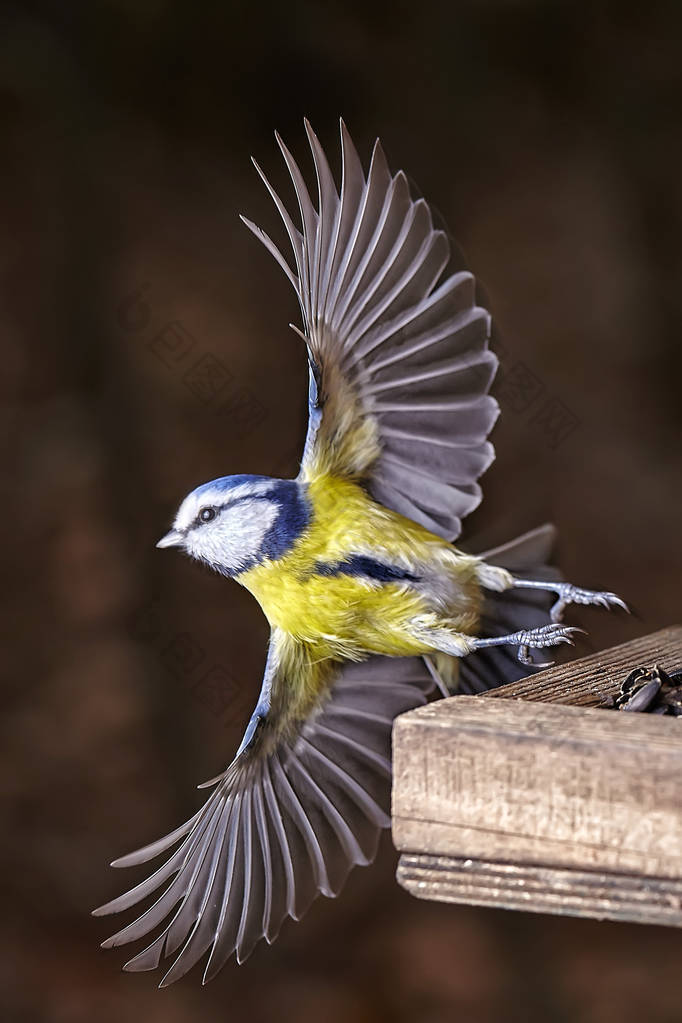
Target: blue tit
[[371, 605]]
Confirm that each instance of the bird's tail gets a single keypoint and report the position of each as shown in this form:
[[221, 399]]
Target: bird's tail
[[514, 609]]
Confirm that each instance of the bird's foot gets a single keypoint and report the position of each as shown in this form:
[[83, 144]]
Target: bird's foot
[[567, 594], [538, 638], [570, 594], [543, 636]]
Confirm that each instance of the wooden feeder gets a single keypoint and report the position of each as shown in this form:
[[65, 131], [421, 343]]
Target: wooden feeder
[[528, 797]]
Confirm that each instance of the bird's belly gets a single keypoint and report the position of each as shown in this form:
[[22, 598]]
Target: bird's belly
[[341, 616]]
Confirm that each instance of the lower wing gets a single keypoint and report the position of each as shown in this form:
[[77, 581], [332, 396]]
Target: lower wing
[[285, 822]]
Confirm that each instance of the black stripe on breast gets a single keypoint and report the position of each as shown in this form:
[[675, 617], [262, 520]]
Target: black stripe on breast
[[363, 565]]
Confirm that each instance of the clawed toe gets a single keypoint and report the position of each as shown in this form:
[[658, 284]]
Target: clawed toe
[[569, 594], [550, 635], [544, 636], [527, 639], [523, 657]]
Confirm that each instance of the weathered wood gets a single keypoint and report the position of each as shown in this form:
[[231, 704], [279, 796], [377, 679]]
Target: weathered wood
[[543, 889], [585, 682], [561, 786], [552, 807]]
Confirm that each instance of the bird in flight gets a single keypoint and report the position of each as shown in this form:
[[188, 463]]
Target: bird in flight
[[372, 609]]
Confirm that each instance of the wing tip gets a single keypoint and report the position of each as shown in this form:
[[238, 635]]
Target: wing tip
[[129, 860], [378, 154]]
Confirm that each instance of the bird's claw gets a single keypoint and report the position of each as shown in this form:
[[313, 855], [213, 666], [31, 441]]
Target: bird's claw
[[543, 636], [570, 594], [523, 657]]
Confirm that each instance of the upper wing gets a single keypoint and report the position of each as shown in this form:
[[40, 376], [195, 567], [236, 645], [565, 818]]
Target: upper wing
[[399, 358], [286, 821]]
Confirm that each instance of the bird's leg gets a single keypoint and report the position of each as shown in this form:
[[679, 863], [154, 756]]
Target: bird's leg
[[569, 594], [542, 636]]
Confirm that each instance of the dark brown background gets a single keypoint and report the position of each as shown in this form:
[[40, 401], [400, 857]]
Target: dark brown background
[[547, 135]]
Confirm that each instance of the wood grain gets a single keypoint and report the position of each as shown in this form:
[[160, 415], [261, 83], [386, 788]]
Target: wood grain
[[606, 896], [540, 783], [531, 797], [585, 682]]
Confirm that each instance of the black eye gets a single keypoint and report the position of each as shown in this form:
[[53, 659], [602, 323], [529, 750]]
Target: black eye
[[207, 514]]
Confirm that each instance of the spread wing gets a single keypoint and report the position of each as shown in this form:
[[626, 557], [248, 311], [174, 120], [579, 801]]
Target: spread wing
[[399, 360], [285, 822]]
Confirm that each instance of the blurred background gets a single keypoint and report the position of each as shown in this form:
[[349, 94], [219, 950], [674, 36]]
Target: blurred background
[[145, 349]]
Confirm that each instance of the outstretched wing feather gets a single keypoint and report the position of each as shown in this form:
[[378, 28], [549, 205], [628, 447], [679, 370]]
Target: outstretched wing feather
[[411, 347], [285, 822]]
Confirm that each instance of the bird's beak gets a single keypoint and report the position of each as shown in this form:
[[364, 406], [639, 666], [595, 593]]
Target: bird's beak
[[172, 539]]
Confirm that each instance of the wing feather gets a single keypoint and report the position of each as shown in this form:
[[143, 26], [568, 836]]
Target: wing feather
[[350, 201], [419, 326], [286, 821], [202, 922], [360, 288], [154, 849], [277, 832], [369, 208], [328, 205], [398, 353]]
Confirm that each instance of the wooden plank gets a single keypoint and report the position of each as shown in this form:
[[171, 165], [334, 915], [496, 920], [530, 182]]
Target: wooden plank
[[607, 896], [585, 682], [520, 779], [528, 797], [540, 783]]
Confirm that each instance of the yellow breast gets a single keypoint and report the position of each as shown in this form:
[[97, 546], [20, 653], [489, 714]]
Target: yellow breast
[[341, 615]]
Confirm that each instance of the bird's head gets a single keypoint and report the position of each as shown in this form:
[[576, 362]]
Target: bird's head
[[235, 522]]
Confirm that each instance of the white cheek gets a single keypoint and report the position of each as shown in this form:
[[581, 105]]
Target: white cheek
[[236, 536]]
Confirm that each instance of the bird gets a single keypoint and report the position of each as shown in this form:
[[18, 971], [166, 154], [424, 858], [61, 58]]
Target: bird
[[373, 610]]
